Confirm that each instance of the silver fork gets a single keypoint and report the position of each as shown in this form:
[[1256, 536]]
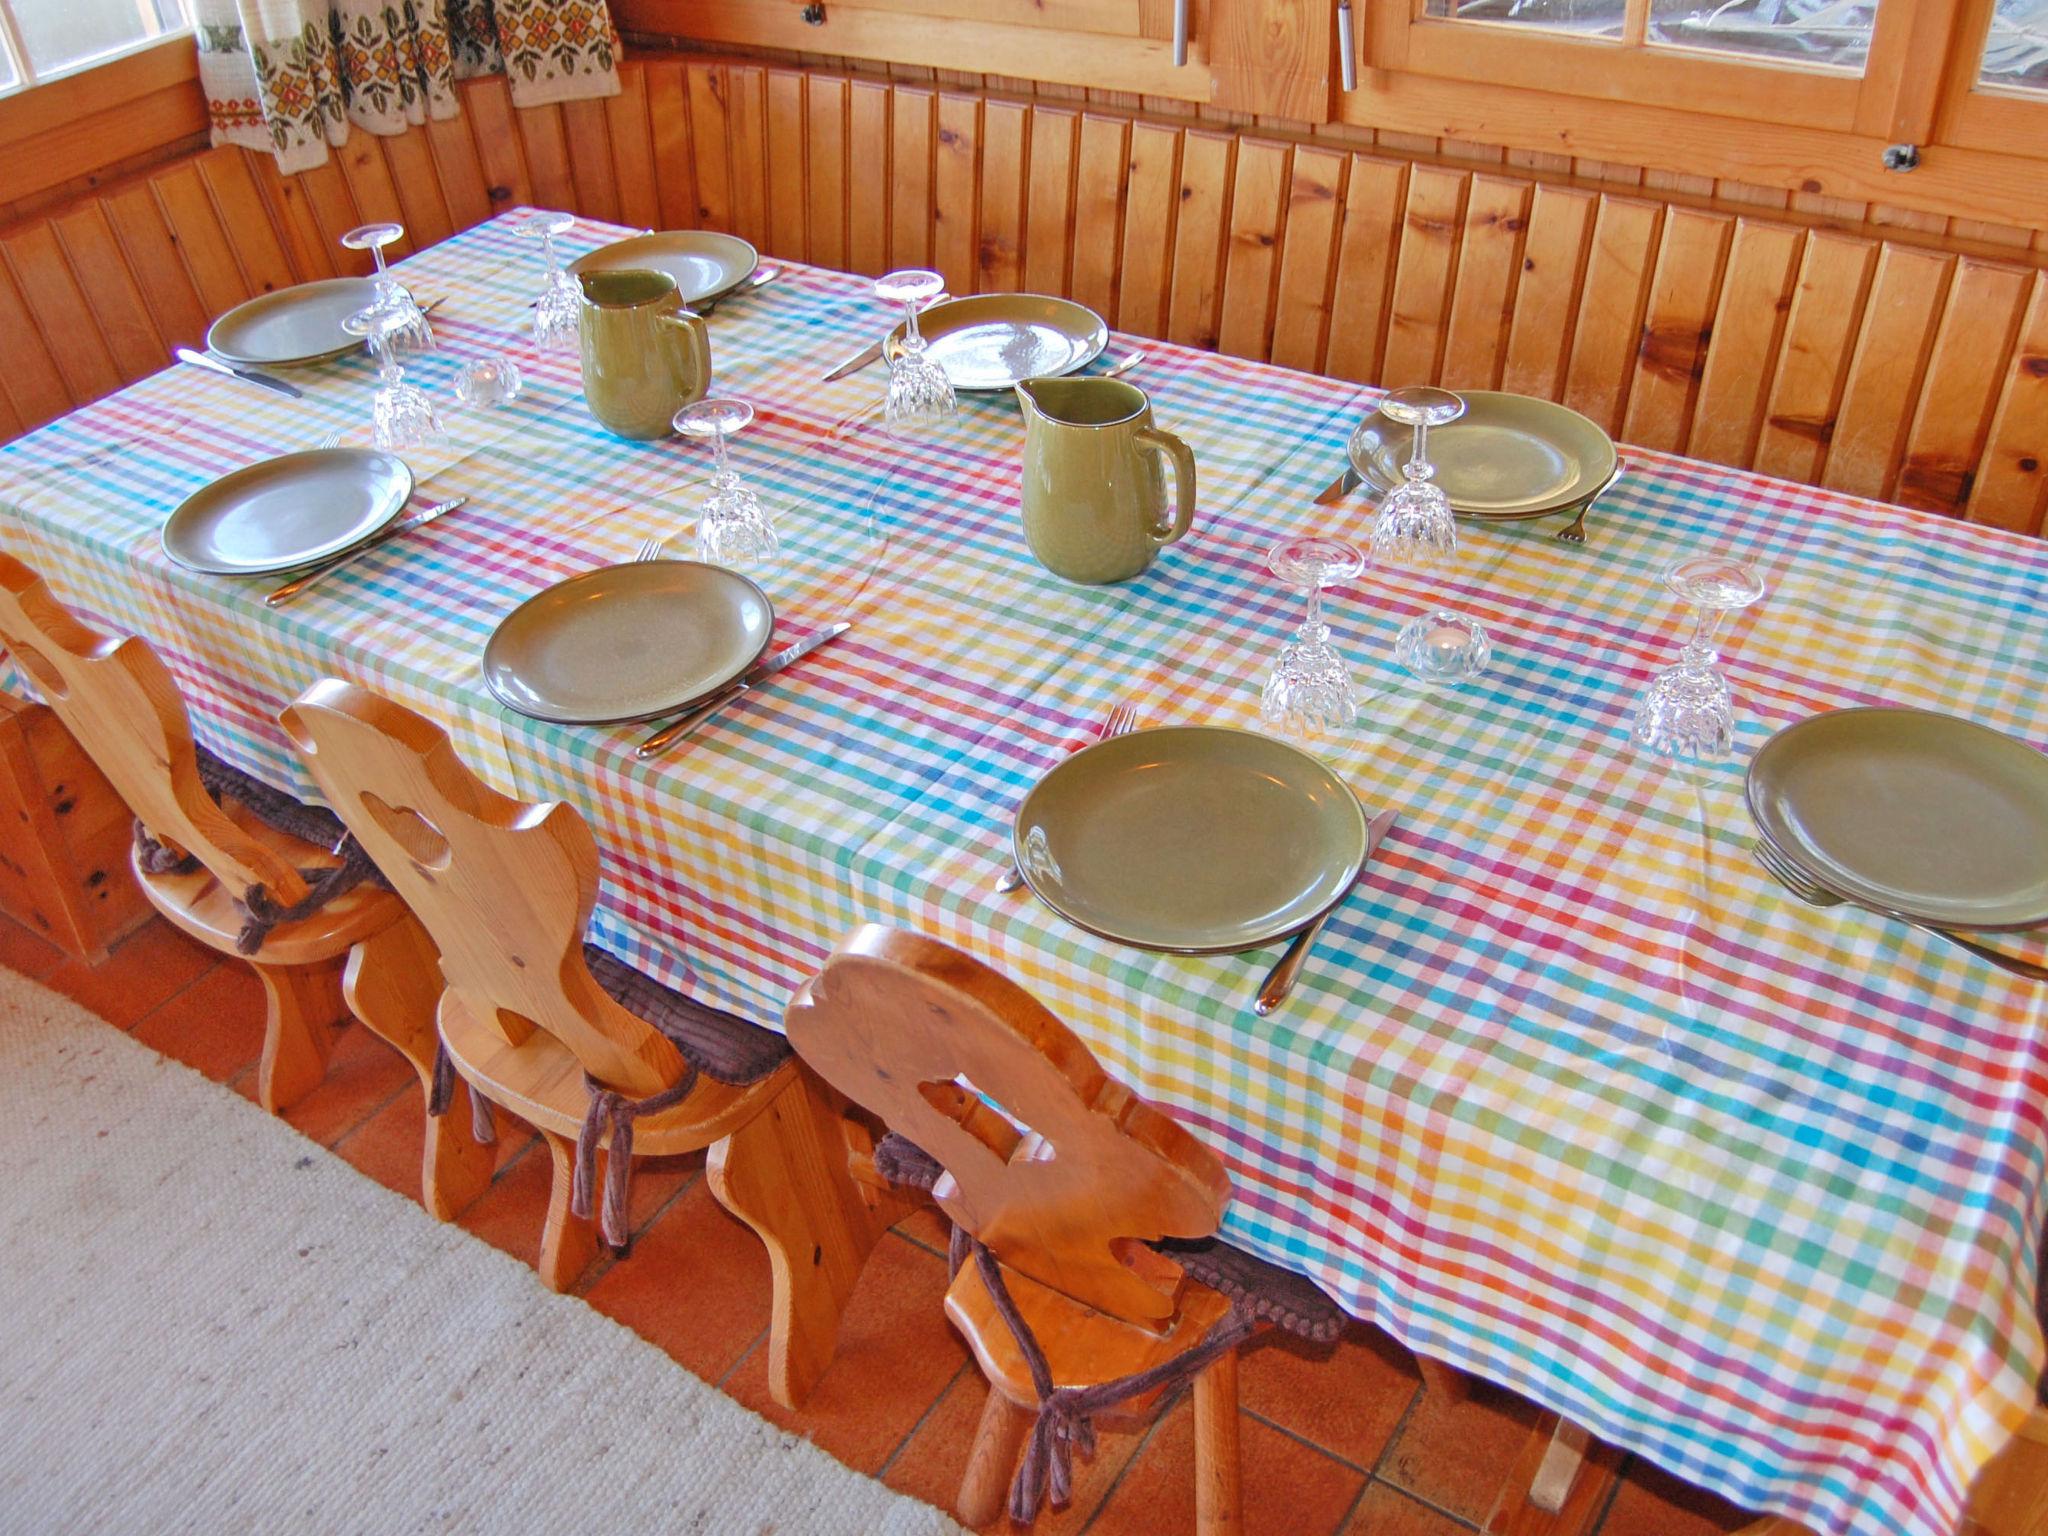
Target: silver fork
[[1814, 894], [1119, 722], [1574, 532], [650, 549]]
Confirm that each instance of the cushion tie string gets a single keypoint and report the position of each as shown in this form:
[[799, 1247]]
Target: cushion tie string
[[614, 1112], [1065, 1417]]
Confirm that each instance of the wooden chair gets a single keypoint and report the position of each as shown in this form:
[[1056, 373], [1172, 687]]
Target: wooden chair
[[122, 705], [506, 890], [1059, 1194]]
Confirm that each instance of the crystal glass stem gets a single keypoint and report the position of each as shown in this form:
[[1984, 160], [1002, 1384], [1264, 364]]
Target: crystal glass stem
[[1313, 627], [913, 342], [1699, 650], [1417, 467]]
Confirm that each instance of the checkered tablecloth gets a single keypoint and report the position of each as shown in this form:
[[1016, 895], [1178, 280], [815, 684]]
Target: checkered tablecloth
[[1569, 1093]]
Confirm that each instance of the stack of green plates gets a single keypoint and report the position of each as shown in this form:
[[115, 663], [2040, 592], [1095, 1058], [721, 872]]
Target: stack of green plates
[[1509, 457], [992, 341], [704, 263]]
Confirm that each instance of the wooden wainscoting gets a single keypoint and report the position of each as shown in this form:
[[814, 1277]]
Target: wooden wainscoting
[[1890, 368]]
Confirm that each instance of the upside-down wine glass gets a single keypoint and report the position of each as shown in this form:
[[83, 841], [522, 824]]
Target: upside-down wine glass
[[415, 334], [1687, 711], [733, 529], [403, 416], [921, 396], [1310, 689], [1417, 530], [558, 312]]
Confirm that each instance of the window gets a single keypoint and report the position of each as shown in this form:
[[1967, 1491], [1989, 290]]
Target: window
[[2016, 48], [44, 38], [1829, 33]]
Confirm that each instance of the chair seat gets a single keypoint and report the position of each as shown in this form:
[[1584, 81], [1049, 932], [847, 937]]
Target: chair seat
[[204, 908], [1083, 1346], [541, 1081]]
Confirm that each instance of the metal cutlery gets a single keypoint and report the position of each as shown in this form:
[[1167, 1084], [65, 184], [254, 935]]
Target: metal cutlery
[[1339, 488], [1574, 532], [760, 279], [1814, 894], [1122, 366], [872, 351], [650, 549], [1280, 980], [213, 364], [294, 587], [680, 727], [1119, 722]]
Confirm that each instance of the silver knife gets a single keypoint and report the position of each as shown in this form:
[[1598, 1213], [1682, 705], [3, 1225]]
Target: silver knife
[[676, 729], [1338, 488], [208, 360], [298, 584], [1280, 980], [873, 350]]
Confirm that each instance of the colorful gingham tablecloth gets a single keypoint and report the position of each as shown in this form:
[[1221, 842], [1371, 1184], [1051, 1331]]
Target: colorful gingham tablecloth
[[1569, 1093]]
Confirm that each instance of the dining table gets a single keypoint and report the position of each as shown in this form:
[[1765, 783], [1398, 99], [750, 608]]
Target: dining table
[[1569, 1094]]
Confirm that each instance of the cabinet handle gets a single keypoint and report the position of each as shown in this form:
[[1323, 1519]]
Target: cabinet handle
[[1347, 46], [1180, 33]]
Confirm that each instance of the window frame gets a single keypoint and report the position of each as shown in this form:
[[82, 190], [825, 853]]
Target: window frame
[[27, 76]]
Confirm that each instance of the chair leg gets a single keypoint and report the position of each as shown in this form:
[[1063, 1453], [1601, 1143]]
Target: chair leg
[[567, 1242], [303, 1004], [993, 1461], [1219, 1499], [393, 984], [784, 1173]]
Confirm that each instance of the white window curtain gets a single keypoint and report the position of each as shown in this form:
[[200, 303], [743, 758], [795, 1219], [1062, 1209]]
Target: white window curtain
[[290, 76]]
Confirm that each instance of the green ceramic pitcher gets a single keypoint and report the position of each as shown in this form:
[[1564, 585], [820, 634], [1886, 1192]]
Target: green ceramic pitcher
[[645, 356], [1095, 503]]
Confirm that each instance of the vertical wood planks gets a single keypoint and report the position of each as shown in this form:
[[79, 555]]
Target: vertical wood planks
[[1671, 349], [1986, 303], [1489, 266], [1098, 210], [542, 137], [910, 184], [2008, 492], [1251, 261], [208, 255], [246, 219], [115, 301], [1198, 238], [746, 142], [1884, 374], [668, 122], [58, 309], [409, 163], [1826, 305], [174, 304], [1152, 193], [704, 87], [30, 381], [589, 143], [1301, 307], [1048, 205], [825, 136], [1546, 295], [1607, 332], [999, 262], [1373, 202], [1422, 275], [487, 103], [787, 205], [867, 179], [956, 171], [1742, 354], [632, 145], [464, 187]]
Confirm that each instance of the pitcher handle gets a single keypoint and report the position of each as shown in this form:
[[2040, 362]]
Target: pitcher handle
[[1182, 458], [696, 338]]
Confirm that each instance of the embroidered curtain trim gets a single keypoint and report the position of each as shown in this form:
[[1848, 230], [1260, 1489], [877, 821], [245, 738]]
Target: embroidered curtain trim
[[291, 76]]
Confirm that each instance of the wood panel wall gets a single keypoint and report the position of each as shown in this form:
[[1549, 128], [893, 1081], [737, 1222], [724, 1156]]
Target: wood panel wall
[[1889, 368]]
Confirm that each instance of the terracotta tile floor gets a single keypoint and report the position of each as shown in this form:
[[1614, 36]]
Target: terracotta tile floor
[[1348, 1442]]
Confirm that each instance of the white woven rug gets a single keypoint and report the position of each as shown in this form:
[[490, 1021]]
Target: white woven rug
[[209, 1324]]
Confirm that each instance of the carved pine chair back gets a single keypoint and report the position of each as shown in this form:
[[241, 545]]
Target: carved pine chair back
[[505, 888]]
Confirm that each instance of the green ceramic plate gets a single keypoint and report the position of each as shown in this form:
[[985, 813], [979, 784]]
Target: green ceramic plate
[[627, 642], [301, 324], [284, 513], [1913, 814], [703, 262], [1190, 839], [1507, 457], [994, 339]]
